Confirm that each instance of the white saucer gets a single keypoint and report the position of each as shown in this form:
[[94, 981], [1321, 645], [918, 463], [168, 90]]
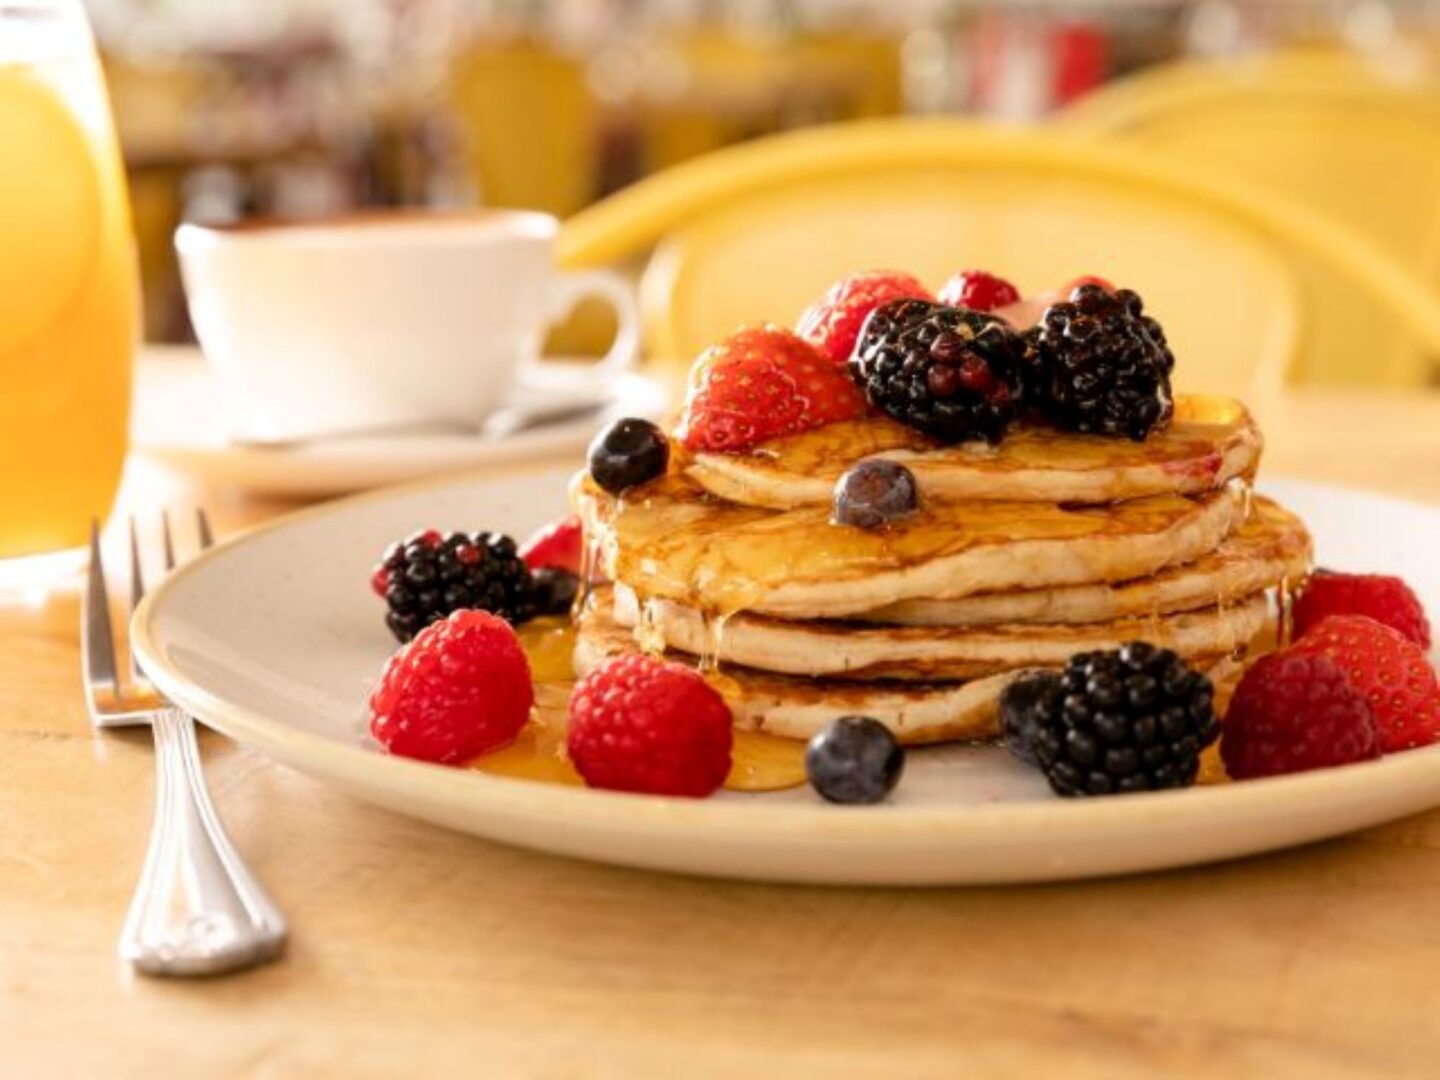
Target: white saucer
[[275, 639], [178, 421]]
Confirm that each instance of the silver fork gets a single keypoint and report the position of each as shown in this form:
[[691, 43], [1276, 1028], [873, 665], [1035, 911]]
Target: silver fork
[[197, 909]]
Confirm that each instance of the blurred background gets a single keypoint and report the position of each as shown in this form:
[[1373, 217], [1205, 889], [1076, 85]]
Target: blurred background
[[303, 108]]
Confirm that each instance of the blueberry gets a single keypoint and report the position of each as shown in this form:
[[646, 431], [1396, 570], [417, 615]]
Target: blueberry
[[627, 453], [874, 493], [1020, 705], [555, 590], [854, 760]]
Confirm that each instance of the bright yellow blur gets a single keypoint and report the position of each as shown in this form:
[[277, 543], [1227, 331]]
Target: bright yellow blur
[[754, 232], [68, 307], [1349, 136]]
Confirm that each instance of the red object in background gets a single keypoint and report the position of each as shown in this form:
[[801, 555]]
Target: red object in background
[[1079, 53], [1024, 66]]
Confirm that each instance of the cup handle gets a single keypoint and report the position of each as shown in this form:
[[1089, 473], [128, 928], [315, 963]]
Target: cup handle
[[574, 285]]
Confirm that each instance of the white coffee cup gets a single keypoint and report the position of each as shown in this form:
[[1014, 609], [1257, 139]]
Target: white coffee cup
[[383, 320]]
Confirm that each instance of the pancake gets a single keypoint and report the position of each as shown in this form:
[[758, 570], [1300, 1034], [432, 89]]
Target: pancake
[[1272, 546], [798, 708], [1210, 441], [677, 543], [840, 650]]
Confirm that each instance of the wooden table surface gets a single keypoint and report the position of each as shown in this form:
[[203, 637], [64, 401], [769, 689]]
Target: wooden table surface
[[416, 950]]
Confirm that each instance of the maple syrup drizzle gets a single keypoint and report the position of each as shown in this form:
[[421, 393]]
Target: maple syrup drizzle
[[1285, 611], [590, 571], [648, 634], [1247, 497], [713, 640], [683, 545]]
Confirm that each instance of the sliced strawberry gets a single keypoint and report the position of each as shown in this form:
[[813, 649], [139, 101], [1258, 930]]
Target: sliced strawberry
[[760, 383], [832, 324], [558, 544]]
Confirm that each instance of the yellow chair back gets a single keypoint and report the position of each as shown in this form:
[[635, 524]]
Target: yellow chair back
[[529, 124], [1336, 132], [755, 232]]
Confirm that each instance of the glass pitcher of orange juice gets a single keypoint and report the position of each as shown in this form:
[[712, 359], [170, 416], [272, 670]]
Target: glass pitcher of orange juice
[[68, 289]]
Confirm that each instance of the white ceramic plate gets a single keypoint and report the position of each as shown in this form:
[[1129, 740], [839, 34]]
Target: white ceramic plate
[[275, 638], [179, 421]]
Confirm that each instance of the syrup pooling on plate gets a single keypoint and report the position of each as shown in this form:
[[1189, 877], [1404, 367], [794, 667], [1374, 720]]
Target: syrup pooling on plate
[[760, 762]]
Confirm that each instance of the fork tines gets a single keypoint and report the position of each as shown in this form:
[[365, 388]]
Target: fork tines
[[108, 705]]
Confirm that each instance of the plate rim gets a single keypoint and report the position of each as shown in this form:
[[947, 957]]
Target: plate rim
[[325, 757]]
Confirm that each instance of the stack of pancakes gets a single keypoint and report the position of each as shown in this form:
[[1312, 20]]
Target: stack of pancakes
[[1020, 555]]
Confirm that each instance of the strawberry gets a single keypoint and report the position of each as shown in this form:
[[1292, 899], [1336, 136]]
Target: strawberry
[[1388, 669], [556, 545], [978, 291], [760, 383], [832, 324]]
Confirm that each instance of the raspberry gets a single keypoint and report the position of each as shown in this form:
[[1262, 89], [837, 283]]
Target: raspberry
[[978, 291], [557, 544], [832, 324], [641, 724], [760, 383], [1293, 712], [1389, 670], [1385, 599], [461, 688]]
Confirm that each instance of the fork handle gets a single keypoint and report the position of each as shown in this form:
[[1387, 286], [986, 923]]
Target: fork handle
[[197, 910]]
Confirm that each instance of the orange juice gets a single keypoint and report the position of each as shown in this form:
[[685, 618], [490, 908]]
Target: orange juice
[[68, 290]]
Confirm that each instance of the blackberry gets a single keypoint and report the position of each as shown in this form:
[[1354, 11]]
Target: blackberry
[[427, 576], [953, 373], [555, 590], [1017, 713], [1132, 719], [1100, 365]]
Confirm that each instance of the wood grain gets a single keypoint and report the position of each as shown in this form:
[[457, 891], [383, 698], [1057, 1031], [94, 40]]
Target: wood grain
[[420, 951]]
